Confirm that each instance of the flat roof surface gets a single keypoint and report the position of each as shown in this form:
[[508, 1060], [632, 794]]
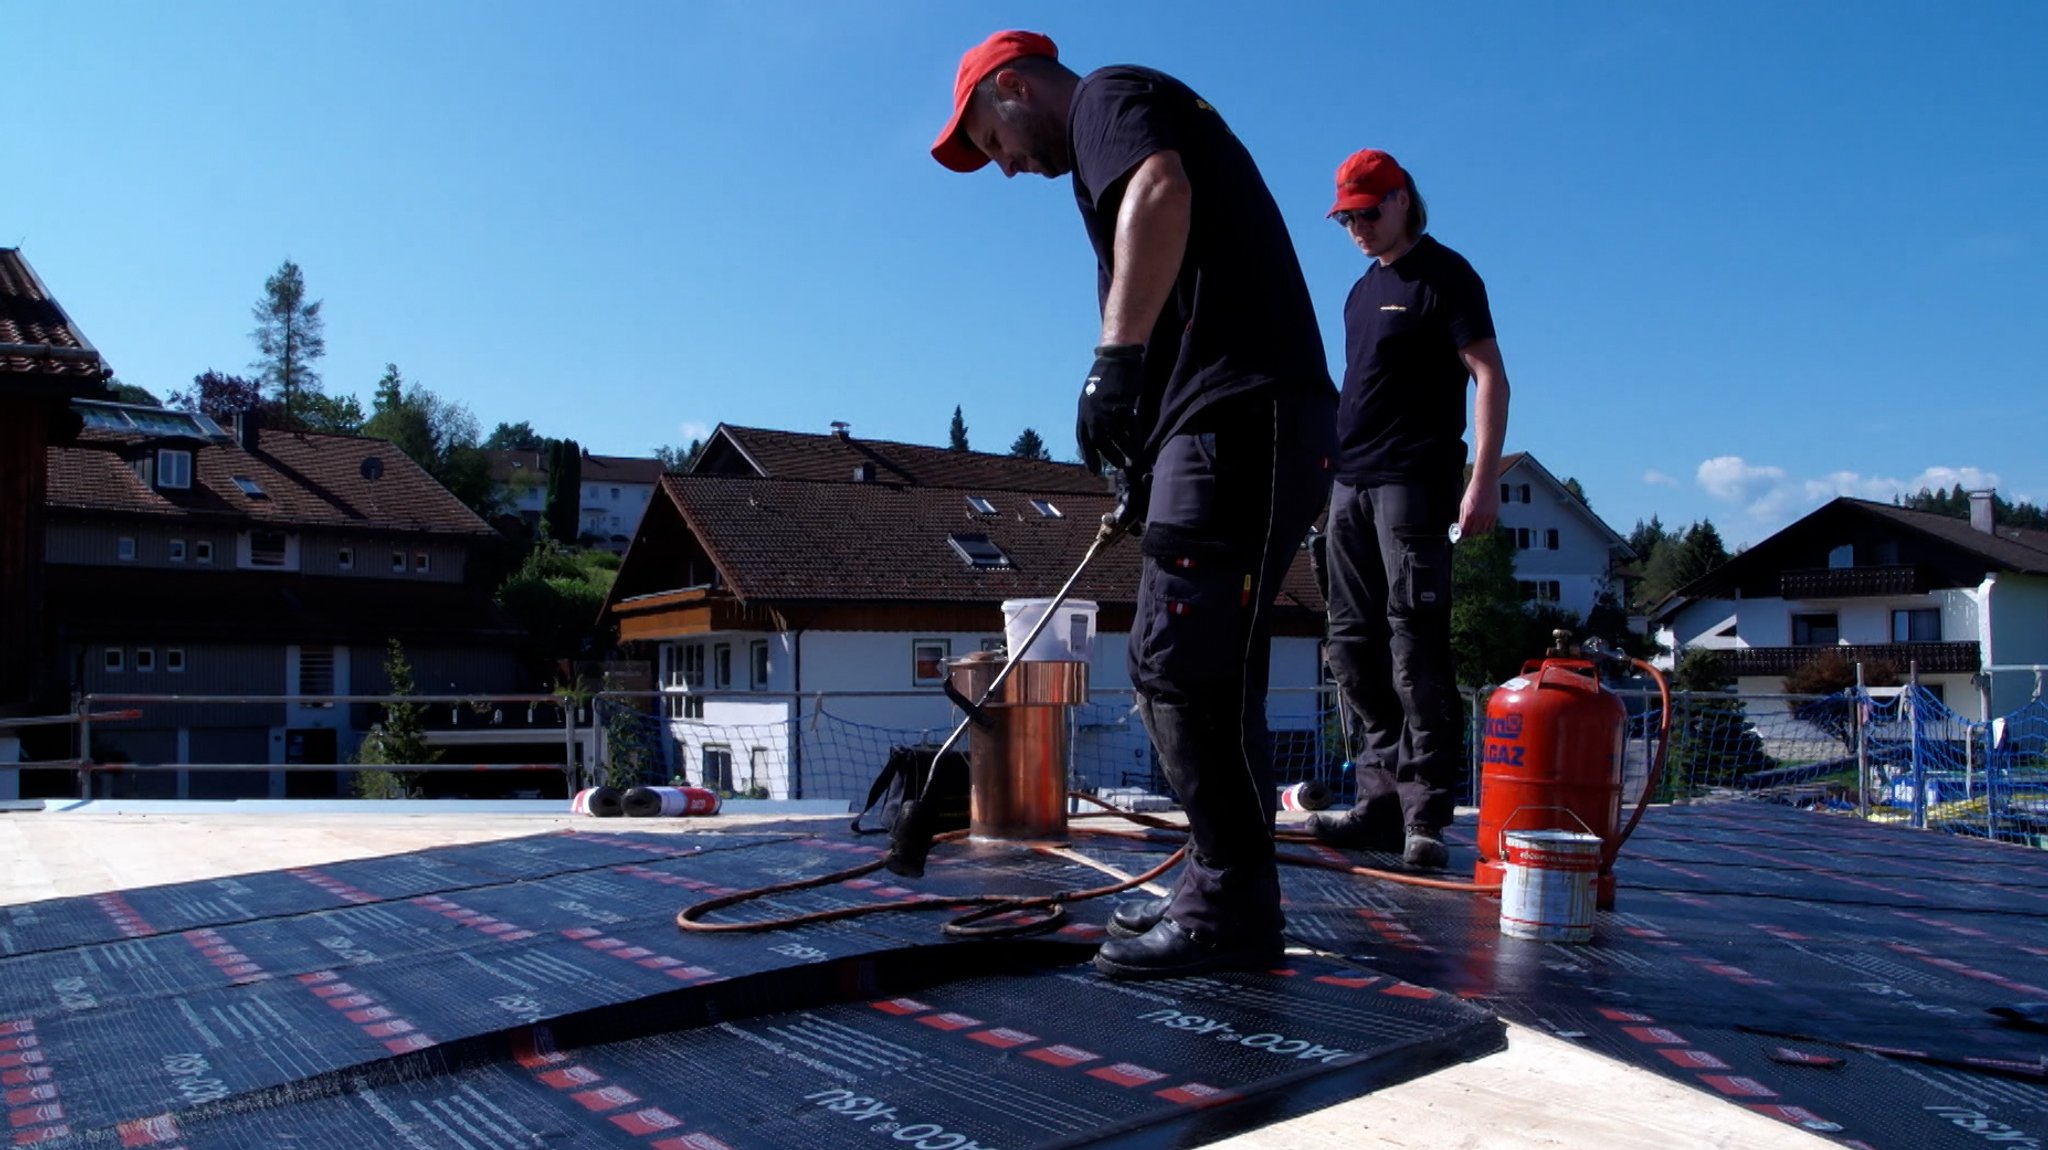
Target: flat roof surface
[[1542, 1090]]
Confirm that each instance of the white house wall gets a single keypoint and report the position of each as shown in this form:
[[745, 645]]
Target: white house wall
[[865, 679], [1583, 559], [2017, 606]]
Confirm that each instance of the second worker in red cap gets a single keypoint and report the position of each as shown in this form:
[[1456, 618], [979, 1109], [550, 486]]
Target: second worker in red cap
[[1416, 327], [1209, 382]]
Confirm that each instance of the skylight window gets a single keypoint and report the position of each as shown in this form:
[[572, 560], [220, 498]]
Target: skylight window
[[976, 505], [250, 487], [977, 550], [146, 420], [1046, 510]]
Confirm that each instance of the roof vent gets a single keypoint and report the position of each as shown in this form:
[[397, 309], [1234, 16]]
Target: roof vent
[[372, 468], [864, 472]]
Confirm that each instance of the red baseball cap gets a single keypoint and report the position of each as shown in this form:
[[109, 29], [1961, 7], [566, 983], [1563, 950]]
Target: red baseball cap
[[949, 149], [1364, 179]]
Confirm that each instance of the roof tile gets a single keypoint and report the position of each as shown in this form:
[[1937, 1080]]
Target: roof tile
[[307, 479]]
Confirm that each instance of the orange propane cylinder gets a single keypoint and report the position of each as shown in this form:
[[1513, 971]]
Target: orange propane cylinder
[[1552, 760]]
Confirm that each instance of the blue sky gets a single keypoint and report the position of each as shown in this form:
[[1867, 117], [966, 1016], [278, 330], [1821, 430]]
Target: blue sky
[[1742, 256]]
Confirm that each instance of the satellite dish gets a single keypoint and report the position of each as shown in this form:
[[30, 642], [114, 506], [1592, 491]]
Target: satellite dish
[[372, 468]]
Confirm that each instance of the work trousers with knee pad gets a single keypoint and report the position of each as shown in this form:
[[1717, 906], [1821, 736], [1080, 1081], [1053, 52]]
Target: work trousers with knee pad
[[1231, 499], [1389, 568]]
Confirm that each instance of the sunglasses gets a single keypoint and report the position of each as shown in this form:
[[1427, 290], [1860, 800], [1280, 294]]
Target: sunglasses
[[1363, 215]]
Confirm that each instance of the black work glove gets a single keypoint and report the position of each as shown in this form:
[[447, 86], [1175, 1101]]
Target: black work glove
[[1106, 423], [1133, 492]]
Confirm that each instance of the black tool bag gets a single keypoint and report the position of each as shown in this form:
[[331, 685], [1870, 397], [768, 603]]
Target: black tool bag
[[903, 777]]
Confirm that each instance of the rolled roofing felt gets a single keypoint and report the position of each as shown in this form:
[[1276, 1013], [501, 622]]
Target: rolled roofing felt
[[598, 802], [670, 802]]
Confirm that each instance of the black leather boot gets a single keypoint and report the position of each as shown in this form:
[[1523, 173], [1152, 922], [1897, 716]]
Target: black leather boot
[[1168, 951], [1353, 831], [1425, 849], [1133, 917]]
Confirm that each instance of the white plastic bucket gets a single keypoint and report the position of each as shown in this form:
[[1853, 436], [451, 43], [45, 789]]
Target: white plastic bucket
[[1546, 891], [1070, 636]]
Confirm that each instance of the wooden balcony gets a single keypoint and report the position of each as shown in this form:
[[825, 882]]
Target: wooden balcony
[[1934, 658], [1850, 582]]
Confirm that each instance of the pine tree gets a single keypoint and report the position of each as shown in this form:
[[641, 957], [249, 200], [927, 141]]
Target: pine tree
[[291, 337], [562, 509], [959, 433], [1028, 445], [399, 740]]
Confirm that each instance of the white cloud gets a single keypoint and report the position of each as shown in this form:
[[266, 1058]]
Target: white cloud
[[689, 431], [1885, 488], [1731, 480], [1656, 478], [1771, 498]]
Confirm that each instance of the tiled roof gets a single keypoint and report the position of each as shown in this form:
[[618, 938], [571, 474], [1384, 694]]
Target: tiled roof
[[36, 338], [834, 458], [2008, 549], [2012, 548], [779, 539], [306, 479], [596, 468]]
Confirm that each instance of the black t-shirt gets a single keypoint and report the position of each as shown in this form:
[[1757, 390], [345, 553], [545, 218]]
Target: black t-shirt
[[1239, 316], [1401, 414]]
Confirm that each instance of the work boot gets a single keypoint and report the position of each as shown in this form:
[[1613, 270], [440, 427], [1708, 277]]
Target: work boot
[[1351, 831], [1425, 849], [1168, 951], [1134, 916]]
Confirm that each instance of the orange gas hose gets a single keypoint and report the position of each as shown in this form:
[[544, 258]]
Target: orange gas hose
[[690, 918]]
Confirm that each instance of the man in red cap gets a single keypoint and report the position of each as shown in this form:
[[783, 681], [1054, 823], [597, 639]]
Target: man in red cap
[[1416, 328], [1208, 389]]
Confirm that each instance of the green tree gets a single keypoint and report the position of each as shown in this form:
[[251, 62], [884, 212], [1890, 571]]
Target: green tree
[[1028, 445], [290, 337], [1678, 559], [337, 414], [219, 397], [1645, 537], [1825, 682], [435, 433], [1578, 492], [513, 437], [1608, 622], [557, 597], [130, 393], [1494, 626], [1955, 503], [959, 431], [399, 739], [562, 509], [679, 459], [1712, 744]]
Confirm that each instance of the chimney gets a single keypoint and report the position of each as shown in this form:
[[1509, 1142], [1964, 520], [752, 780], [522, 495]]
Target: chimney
[[1980, 512], [840, 428], [247, 421]]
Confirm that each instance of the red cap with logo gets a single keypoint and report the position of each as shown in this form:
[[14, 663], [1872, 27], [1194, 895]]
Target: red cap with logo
[[1364, 179], [950, 148]]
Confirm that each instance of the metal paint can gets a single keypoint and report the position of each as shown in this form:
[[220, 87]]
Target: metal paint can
[[1546, 892]]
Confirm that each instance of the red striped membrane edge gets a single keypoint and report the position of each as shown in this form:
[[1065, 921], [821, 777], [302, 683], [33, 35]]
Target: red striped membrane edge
[[1538, 859]]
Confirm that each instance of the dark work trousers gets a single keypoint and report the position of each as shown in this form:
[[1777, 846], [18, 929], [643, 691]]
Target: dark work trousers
[[1231, 499], [1389, 567]]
